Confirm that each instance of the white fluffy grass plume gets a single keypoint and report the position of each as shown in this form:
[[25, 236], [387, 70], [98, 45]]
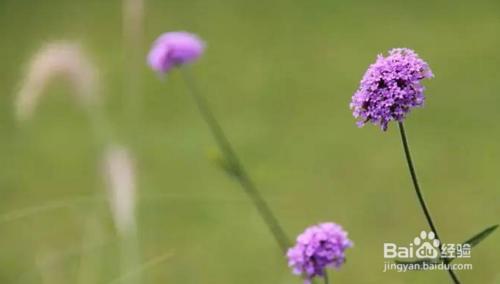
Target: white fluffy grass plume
[[120, 175], [60, 60]]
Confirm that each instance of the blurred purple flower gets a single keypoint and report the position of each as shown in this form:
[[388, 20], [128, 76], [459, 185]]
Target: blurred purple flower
[[317, 248], [390, 88], [174, 48]]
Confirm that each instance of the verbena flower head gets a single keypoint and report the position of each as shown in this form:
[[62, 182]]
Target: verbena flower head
[[317, 248], [390, 88], [173, 49]]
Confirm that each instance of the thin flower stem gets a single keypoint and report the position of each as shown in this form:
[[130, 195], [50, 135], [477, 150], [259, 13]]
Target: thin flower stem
[[233, 160], [327, 281], [421, 197]]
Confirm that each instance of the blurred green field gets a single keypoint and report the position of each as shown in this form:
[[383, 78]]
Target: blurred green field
[[279, 76]]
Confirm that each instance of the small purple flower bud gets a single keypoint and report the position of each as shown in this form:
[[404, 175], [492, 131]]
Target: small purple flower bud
[[173, 49], [390, 88], [317, 248]]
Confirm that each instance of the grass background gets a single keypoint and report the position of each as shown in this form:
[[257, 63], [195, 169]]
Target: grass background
[[279, 76]]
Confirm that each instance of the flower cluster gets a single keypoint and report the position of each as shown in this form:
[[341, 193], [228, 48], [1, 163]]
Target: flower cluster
[[173, 49], [390, 88], [317, 248]]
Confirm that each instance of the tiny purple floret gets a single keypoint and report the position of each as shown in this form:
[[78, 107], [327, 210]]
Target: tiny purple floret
[[318, 247], [173, 49], [391, 88]]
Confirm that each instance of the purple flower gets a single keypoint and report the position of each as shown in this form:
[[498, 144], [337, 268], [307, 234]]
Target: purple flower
[[317, 248], [390, 88], [174, 48]]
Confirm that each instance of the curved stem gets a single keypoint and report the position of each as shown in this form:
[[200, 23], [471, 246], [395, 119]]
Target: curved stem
[[237, 167], [420, 196]]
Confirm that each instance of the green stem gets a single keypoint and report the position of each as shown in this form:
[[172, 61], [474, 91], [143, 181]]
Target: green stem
[[230, 155], [327, 281], [420, 196]]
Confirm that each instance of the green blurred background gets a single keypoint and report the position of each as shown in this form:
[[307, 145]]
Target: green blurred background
[[279, 76]]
